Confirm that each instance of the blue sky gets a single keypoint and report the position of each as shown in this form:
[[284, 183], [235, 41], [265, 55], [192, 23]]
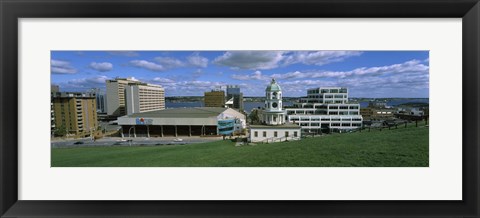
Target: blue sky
[[190, 73]]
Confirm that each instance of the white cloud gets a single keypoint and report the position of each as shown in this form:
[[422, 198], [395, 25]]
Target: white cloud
[[257, 75], [264, 60], [102, 67], [183, 88], [194, 60], [252, 60], [162, 80], [197, 61], [168, 62], [391, 80], [84, 84], [124, 53], [61, 67], [147, 65], [413, 66], [319, 57]]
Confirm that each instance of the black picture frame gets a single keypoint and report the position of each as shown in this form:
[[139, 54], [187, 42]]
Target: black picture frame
[[12, 10]]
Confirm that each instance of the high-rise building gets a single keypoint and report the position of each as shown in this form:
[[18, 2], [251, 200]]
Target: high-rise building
[[325, 109], [101, 98], [143, 97], [214, 98], [233, 92], [101, 102], [53, 90], [116, 96], [74, 112]]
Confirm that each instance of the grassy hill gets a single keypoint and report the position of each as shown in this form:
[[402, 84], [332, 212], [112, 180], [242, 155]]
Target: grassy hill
[[402, 147]]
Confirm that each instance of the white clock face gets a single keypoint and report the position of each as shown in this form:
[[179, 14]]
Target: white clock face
[[274, 104]]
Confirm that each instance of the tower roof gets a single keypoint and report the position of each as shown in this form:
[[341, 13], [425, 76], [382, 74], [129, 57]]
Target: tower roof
[[273, 86]]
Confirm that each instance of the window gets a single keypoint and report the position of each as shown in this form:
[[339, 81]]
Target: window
[[286, 133], [295, 134], [256, 134], [275, 134], [264, 133]]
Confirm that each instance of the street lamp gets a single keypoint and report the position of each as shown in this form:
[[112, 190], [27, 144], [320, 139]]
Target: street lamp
[[130, 135]]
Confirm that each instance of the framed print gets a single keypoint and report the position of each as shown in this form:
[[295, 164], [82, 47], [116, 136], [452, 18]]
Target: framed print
[[225, 108]]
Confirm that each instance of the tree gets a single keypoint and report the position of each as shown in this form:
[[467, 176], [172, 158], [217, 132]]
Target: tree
[[61, 131], [255, 117]]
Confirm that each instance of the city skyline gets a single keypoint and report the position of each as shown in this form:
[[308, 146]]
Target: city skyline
[[374, 74]]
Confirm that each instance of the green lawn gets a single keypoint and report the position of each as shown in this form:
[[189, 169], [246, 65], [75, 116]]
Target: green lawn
[[402, 147]]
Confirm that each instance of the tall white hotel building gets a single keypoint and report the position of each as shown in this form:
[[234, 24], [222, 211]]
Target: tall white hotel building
[[126, 96], [325, 109]]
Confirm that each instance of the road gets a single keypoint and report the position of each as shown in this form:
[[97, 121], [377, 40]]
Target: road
[[118, 141]]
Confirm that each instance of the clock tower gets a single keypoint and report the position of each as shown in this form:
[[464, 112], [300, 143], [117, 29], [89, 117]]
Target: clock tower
[[273, 113]]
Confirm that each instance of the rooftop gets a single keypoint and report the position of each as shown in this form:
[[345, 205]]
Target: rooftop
[[328, 87], [273, 86], [72, 95], [284, 126]]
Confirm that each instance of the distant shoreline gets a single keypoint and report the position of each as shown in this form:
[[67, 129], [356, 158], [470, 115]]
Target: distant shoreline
[[178, 99]]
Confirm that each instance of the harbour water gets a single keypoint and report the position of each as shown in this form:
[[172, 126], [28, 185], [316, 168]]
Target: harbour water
[[251, 105], [248, 106]]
